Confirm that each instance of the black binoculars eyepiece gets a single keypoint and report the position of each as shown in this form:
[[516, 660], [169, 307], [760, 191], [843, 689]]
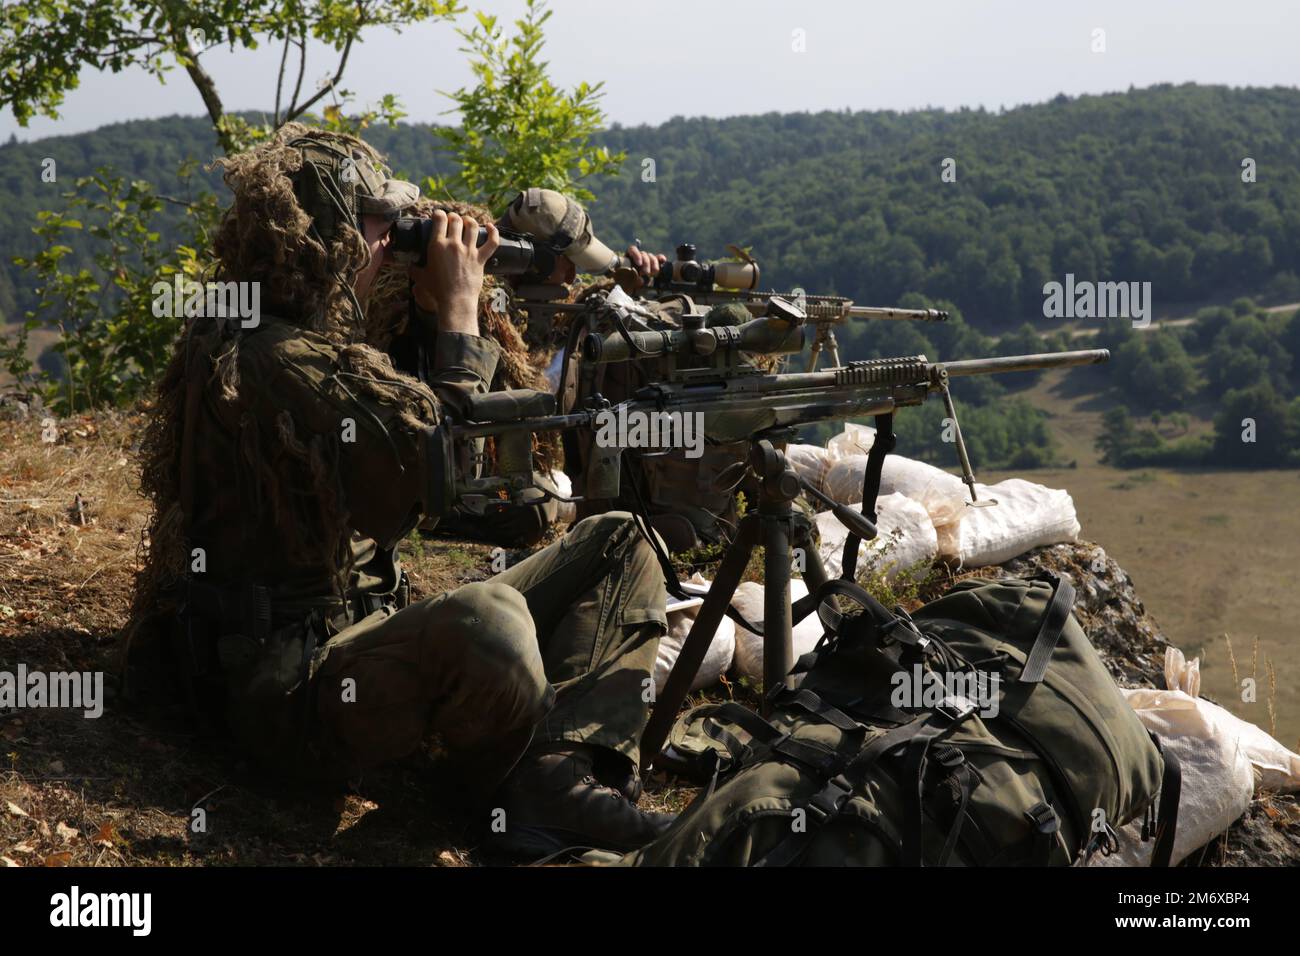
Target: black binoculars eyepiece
[[518, 254]]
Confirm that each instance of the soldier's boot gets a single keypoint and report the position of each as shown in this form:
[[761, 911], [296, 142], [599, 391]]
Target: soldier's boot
[[555, 800], [616, 771]]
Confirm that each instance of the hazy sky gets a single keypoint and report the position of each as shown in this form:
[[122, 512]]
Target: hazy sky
[[727, 57]]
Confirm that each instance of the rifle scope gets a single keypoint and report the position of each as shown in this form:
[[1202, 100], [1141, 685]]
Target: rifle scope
[[765, 335], [686, 272], [518, 254]]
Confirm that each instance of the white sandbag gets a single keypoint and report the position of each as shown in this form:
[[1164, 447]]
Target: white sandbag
[[566, 512], [906, 539], [1276, 769], [1217, 783], [748, 600], [1224, 761], [854, 440], [905, 476], [716, 659], [810, 462], [1027, 516], [946, 511]]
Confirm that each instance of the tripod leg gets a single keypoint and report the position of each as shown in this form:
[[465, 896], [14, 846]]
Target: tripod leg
[[778, 650], [698, 640]]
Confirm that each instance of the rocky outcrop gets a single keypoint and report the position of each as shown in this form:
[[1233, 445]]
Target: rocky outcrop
[[1107, 606]]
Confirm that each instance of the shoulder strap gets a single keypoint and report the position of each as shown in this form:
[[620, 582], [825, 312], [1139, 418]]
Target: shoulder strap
[[1049, 631], [1171, 786], [871, 475]]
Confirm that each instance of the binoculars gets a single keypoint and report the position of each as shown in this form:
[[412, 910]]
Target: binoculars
[[518, 254]]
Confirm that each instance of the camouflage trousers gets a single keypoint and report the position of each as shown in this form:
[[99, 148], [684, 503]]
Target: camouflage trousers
[[560, 647]]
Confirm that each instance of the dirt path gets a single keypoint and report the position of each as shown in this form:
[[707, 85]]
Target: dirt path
[[1176, 323]]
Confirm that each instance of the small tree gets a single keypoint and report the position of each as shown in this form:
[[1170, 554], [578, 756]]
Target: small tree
[[112, 344], [44, 45], [517, 129]]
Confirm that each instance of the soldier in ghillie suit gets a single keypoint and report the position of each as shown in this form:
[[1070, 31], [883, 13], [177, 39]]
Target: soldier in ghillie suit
[[287, 460]]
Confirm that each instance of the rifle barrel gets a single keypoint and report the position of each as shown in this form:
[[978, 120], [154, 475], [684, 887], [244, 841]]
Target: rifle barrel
[[888, 312], [1026, 363]]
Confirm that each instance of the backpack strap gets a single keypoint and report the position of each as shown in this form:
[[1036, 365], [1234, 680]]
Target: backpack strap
[[1058, 611], [840, 786], [1171, 787], [871, 475], [812, 703], [956, 710], [884, 620], [1042, 817], [965, 778]]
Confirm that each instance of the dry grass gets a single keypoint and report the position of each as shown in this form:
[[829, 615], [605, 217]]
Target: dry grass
[[124, 789]]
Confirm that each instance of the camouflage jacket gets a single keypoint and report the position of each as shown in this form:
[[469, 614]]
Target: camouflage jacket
[[308, 444]]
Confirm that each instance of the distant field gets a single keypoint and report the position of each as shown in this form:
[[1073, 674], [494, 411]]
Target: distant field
[[1212, 553]]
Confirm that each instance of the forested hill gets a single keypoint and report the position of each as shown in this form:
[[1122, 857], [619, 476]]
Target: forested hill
[[1145, 185]]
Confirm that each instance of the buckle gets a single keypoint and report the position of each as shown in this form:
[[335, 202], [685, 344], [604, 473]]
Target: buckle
[[774, 693], [1043, 819], [956, 707], [902, 620], [830, 800], [1105, 840], [949, 756]]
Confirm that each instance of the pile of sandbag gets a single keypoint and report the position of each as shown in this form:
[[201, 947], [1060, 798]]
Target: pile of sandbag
[[716, 659], [1027, 515], [905, 539], [1224, 760]]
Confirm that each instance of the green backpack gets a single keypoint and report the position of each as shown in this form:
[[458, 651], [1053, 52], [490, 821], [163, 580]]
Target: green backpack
[[982, 730]]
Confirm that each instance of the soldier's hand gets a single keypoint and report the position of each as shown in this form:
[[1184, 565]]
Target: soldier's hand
[[452, 278], [646, 263]]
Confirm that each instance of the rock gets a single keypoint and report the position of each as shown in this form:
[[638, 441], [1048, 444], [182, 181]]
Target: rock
[[1107, 606]]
